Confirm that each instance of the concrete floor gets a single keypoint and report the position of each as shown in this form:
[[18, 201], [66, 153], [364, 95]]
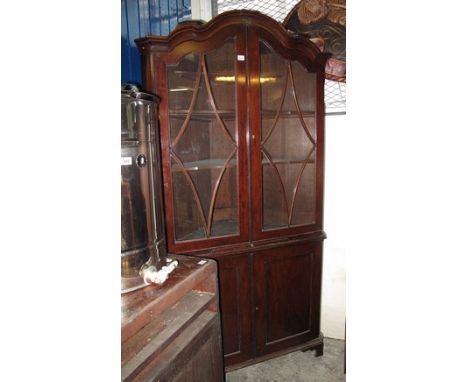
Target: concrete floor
[[297, 367]]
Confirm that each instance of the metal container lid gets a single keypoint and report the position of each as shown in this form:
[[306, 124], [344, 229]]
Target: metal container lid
[[136, 110], [133, 91]]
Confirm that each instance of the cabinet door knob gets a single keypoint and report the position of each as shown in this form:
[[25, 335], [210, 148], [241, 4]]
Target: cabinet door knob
[[256, 308]]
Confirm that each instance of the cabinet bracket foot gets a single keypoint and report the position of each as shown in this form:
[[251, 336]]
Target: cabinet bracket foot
[[318, 347]]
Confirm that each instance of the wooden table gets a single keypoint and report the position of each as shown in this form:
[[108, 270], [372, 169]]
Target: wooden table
[[172, 332]]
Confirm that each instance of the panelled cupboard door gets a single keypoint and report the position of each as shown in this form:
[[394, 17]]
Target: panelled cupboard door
[[286, 134], [202, 116], [236, 307], [287, 296]]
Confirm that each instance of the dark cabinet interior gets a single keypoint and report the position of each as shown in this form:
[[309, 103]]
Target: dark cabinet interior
[[241, 119]]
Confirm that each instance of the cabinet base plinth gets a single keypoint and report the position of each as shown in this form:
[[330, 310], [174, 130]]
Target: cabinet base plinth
[[316, 344]]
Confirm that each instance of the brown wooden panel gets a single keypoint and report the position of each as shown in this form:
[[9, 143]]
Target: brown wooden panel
[[193, 356], [236, 307], [207, 354], [287, 304], [140, 349], [192, 372]]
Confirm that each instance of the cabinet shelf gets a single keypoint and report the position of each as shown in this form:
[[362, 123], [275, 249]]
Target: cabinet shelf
[[202, 113], [209, 164], [205, 164], [225, 228], [221, 228], [231, 113], [285, 114], [287, 161]]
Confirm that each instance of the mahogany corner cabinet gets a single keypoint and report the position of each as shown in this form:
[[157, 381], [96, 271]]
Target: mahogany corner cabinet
[[242, 140]]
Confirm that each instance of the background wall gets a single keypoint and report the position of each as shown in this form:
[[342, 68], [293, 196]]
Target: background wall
[[143, 17], [334, 261]]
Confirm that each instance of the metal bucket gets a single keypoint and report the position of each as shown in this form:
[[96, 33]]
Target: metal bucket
[[142, 228]]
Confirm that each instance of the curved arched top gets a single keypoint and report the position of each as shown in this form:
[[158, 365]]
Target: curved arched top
[[196, 35]]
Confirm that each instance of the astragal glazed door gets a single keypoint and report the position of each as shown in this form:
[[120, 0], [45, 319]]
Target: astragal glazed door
[[286, 134], [205, 145]]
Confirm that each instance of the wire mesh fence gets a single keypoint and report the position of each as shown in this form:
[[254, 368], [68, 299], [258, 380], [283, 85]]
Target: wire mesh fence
[[273, 8], [335, 97], [335, 92]]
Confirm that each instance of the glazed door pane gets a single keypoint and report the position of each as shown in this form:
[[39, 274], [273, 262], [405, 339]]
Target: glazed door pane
[[204, 144], [288, 141]]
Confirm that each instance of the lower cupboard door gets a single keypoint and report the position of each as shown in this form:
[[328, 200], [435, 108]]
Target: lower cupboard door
[[287, 291], [236, 307]]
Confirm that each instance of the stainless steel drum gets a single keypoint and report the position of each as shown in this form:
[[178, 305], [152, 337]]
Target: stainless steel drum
[[142, 229]]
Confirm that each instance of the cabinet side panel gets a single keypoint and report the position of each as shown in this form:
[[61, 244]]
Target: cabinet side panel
[[205, 365], [230, 280]]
